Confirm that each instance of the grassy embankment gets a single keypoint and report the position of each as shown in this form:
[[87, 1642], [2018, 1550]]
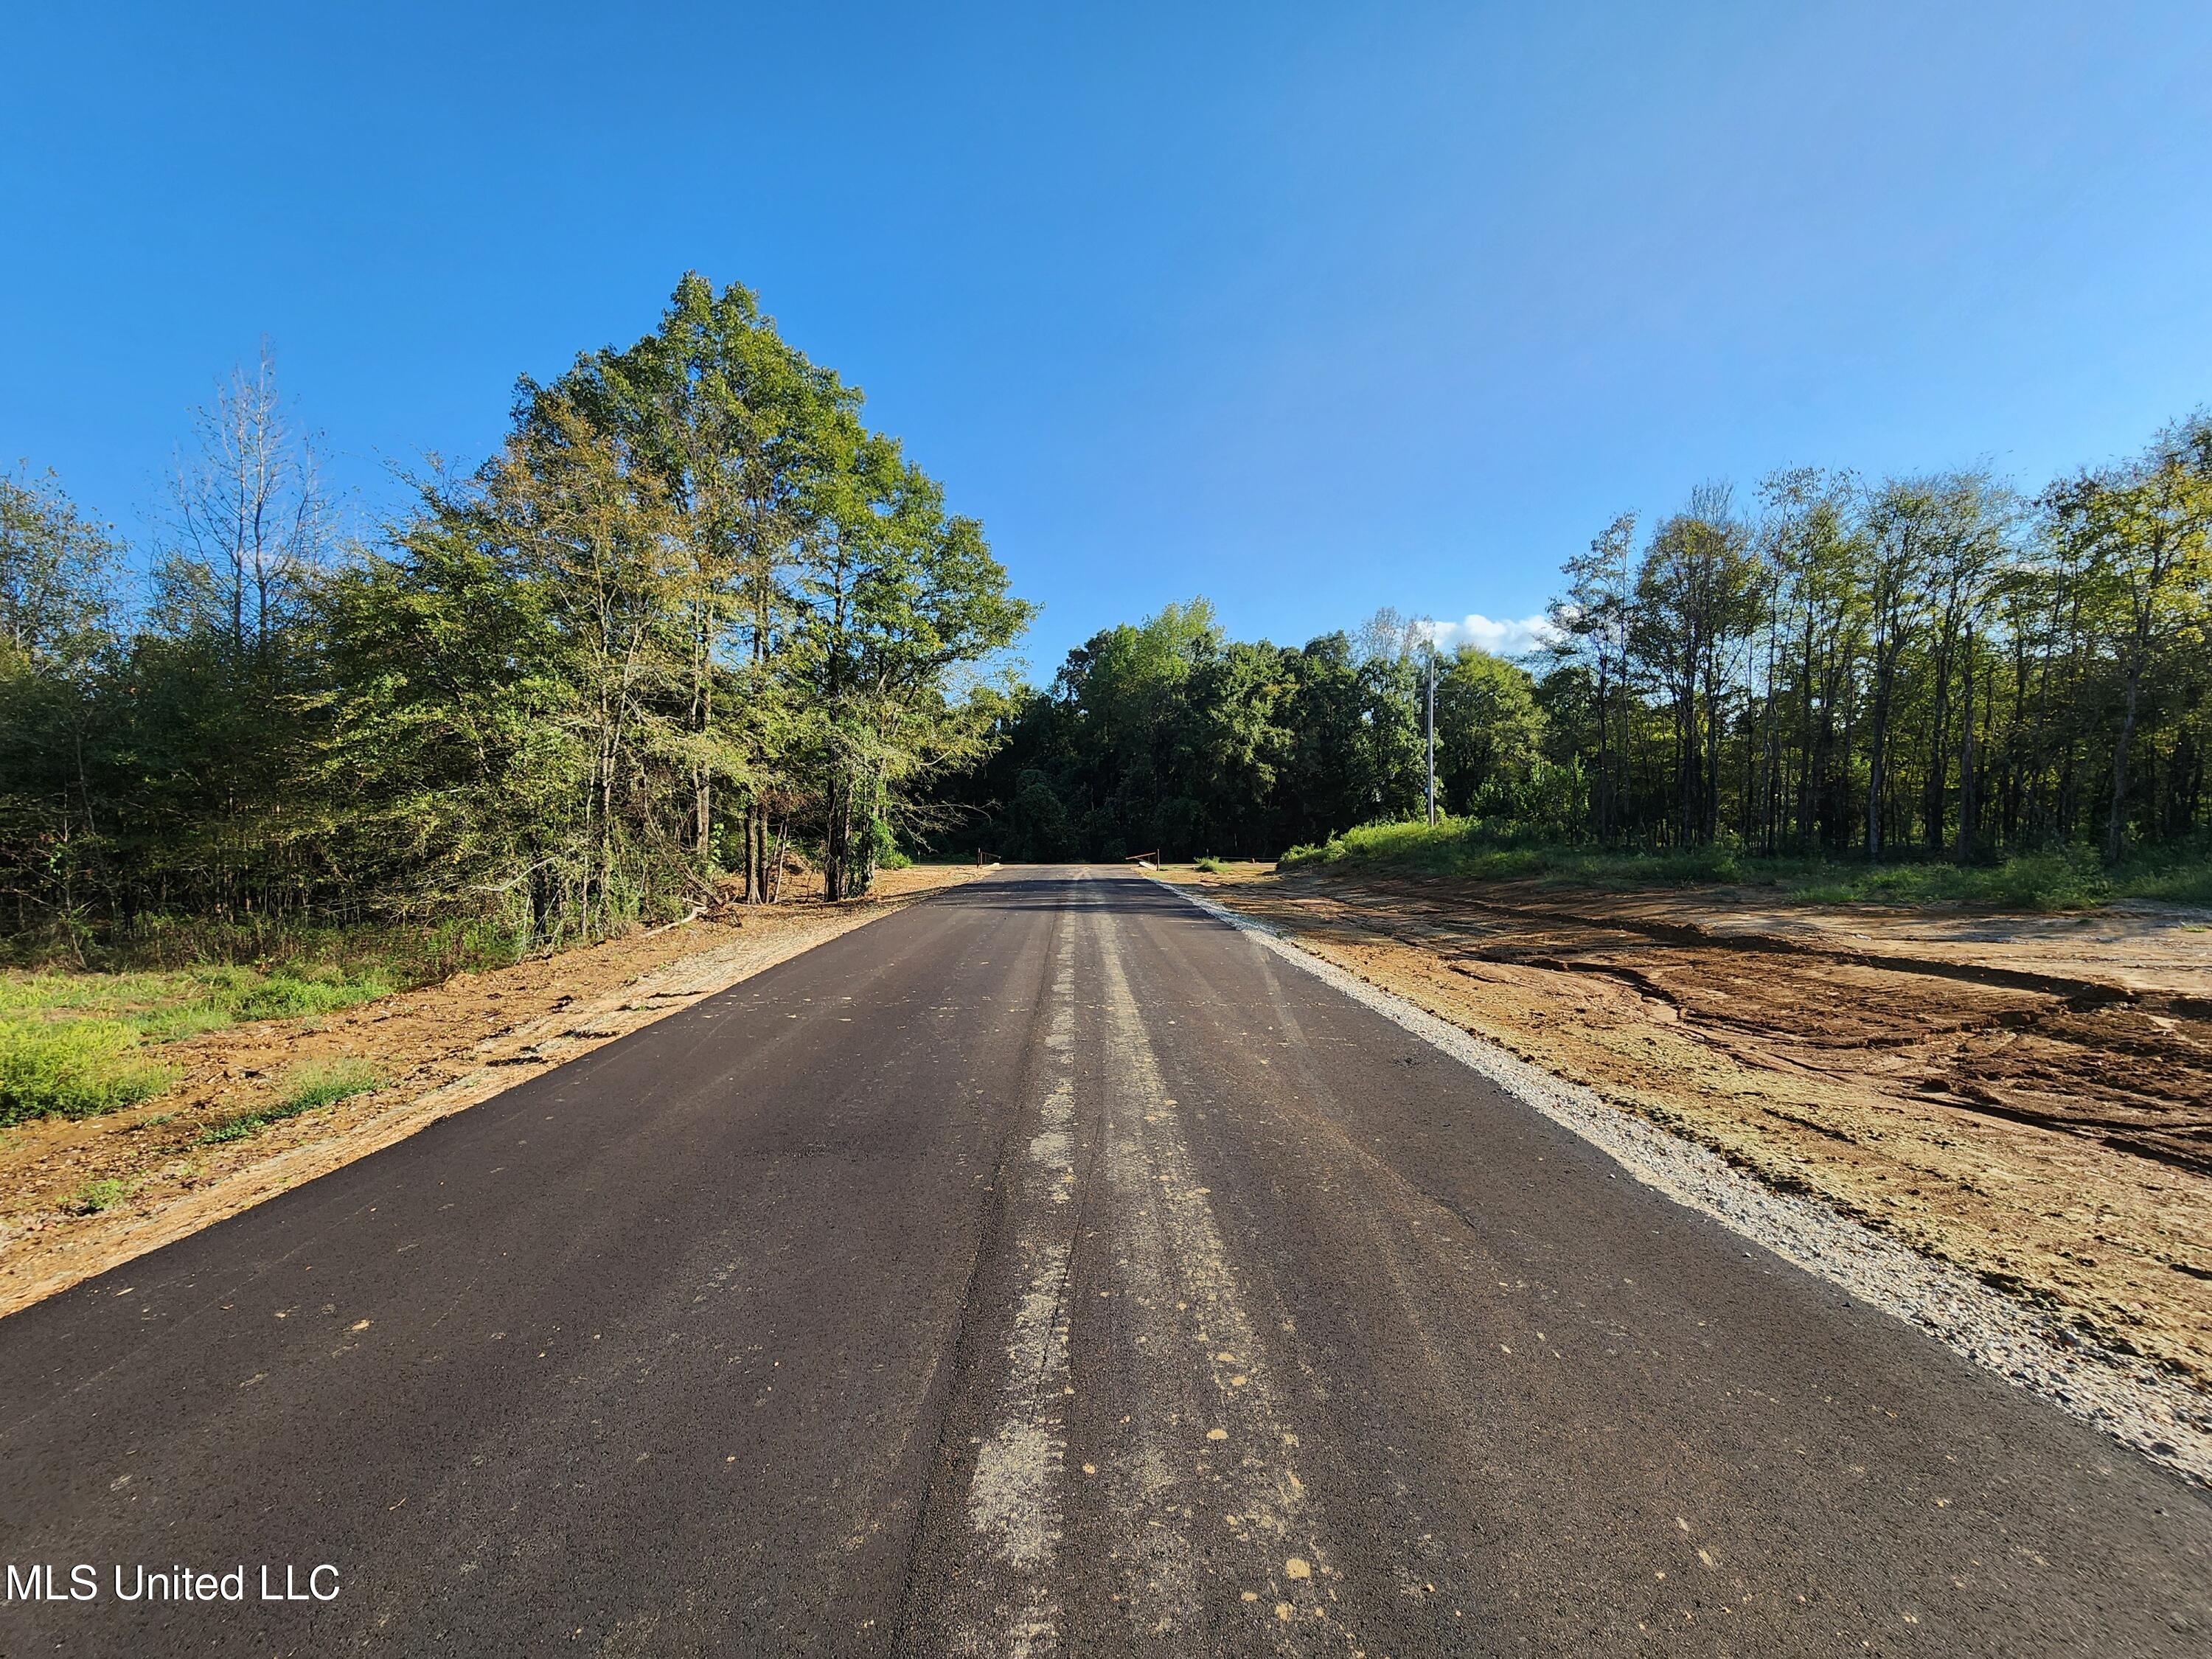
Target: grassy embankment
[[80, 1042], [2061, 879]]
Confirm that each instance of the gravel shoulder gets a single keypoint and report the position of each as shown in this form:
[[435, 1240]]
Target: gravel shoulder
[[437, 1050]]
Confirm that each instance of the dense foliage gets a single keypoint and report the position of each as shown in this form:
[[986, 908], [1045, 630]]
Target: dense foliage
[[1922, 667], [695, 613], [693, 610], [1928, 663], [1167, 736]]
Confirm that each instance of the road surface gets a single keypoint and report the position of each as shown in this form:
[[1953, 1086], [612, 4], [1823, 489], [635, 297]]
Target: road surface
[[1046, 1268]]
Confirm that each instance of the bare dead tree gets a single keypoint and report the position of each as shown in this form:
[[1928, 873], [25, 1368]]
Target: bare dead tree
[[252, 520]]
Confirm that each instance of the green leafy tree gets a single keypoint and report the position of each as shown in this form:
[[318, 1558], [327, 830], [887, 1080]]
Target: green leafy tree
[[59, 651]]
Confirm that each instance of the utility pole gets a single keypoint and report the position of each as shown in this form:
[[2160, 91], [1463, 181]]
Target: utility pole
[[1432, 728]]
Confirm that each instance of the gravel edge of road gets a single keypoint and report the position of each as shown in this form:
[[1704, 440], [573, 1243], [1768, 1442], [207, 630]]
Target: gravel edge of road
[[2146, 1410]]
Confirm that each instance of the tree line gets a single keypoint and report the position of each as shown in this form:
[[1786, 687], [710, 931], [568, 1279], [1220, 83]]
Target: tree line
[[693, 614], [1937, 666], [1166, 735], [1933, 666]]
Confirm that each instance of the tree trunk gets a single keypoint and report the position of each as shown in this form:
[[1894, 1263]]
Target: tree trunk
[[1968, 804], [2116, 822]]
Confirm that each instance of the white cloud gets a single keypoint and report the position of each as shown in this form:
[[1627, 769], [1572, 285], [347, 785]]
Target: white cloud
[[1499, 638]]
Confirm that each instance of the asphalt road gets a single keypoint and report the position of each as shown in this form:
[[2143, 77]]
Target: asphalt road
[[1045, 1268]]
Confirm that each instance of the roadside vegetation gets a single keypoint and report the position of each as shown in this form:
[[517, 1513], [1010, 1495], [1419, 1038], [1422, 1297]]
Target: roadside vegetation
[[80, 1044], [309, 1088], [1937, 686], [693, 625], [2060, 878], [693, 619]]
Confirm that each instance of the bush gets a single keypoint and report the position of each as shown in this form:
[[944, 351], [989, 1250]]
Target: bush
[[883, 850]]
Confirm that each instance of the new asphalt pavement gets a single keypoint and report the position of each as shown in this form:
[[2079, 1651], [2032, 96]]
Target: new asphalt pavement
[[1045, 1268]]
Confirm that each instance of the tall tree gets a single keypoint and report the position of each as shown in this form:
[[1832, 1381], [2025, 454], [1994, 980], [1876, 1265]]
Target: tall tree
[[59, 647], [2144, 529], [1696, 596], [1589, 623], [736, 422]]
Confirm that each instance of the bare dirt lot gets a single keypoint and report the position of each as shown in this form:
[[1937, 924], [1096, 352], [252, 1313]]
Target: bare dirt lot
[[153, 1177], [2030, 1097]]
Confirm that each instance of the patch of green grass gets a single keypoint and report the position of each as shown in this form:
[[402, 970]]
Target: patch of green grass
[[163, 1006], [1472, 848], [2181, 883], [1211, 867], [73, 1067], [97, 1195], [324, 1083], [75, 1044], [2068, 879], [2065, 878], [312, 1085], [236, 1128]]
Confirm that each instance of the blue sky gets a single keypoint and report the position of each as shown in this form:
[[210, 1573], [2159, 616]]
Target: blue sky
[[1307, 308]]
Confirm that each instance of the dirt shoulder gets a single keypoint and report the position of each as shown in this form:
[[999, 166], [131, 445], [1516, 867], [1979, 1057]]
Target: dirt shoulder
[[437, 1050], [2029, 1098]]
